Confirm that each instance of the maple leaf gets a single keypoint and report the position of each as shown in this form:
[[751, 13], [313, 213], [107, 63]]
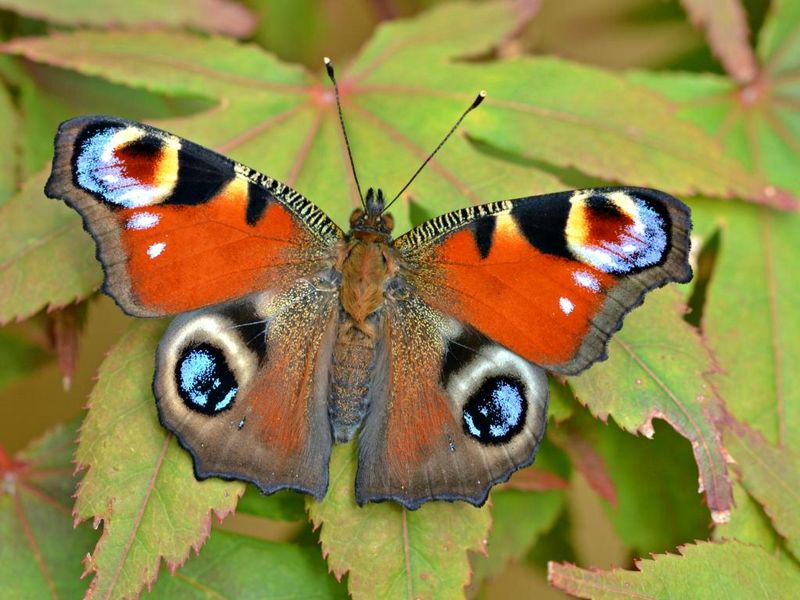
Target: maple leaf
[[216, 16], [139, 482], [750, 319], [702, 570], [40, 553], [390, 551], [662, 376], [725, 24], [233, 566]]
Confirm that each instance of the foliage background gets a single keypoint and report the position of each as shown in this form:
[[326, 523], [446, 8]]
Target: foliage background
[[580, 93]]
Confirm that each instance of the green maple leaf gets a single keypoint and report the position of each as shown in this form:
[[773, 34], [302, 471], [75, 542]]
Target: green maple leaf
[[662, 376], [390, 551], [729, 570], [215, 16], [237, 566], [772, 476], [750, 319], [41, 552], [139, 482], [654, 506]]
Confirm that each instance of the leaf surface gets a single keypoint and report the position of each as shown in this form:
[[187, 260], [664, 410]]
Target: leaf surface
[[520, 517], [285, 505], [389, 551], [757, 123], [703, 570], [9, 157], [750, 319], [725, 25], [40, 553], [651, 375], [139, 482], [771, 475], [29, 277], [215, 16], [238, 566]]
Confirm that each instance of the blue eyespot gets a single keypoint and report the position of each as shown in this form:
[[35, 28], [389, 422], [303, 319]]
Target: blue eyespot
[[495, 413], [205, 382]]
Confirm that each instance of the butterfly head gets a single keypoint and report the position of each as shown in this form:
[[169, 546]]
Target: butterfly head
[[371, 220]]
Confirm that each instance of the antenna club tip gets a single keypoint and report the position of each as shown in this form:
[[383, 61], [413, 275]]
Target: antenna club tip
[[478, 99], [328, 66]]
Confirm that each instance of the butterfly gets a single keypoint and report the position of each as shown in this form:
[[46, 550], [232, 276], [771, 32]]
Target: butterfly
[[291, 334]]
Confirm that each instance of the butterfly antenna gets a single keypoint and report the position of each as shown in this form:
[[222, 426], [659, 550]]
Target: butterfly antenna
[[475, 104], [332, 76]]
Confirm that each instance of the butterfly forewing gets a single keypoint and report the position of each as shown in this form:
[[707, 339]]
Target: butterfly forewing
[[551, 277], [179, 226]]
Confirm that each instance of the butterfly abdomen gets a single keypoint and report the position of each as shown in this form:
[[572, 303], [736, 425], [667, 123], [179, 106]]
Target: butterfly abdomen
[[364, 271], [350, 376]]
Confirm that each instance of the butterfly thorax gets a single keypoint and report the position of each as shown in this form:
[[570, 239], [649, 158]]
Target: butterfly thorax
[[366, 263]]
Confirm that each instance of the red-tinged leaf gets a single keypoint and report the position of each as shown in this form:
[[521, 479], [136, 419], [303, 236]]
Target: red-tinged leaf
[[64, 327], [771, 475], [40, 551], [534, 479], [586, 460], [656, 369], [237, 566], [725, 25], [703, 570], [750, 318], [215, 16], [757, 122], [389, 551], [30, 279], [139, 482]]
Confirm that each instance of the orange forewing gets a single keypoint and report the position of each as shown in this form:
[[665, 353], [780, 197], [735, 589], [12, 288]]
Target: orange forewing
[[208, 253], [514, 295]]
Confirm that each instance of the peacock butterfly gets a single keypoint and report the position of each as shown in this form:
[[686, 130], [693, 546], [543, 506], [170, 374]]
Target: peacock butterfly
[[292, 334]]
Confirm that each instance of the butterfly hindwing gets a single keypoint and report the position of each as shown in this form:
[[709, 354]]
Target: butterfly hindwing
[[244, 387], [451, 413], [550, 277], [178, 226]]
